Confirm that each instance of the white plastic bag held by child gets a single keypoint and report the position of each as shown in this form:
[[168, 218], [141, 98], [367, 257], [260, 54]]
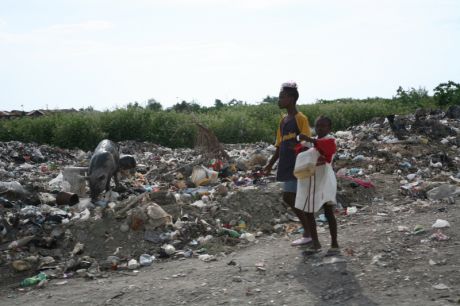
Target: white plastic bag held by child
[[305, 163]]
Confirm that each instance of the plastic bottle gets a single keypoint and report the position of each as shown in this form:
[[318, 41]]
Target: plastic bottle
[[231, 233], [32, 281]]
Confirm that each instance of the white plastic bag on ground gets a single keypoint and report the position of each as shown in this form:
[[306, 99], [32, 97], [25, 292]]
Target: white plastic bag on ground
[[133, 264], [74, 176], [58, 183], [46, 198], [248, 237], [305, 163], [203, 176], [157, 216], [12, 189], [440, 224]]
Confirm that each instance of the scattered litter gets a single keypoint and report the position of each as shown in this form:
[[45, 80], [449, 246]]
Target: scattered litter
[[441, 286], [207, 257], [439, 236], [351, 210], [440, 224], [443, 191], [402, 228], [146, 259], [32, 281], [180, 203], [133, 264]]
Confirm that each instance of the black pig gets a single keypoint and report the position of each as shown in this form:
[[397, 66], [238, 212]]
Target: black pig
[[102, 167]]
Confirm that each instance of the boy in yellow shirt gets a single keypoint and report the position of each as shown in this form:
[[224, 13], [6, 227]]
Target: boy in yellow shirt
[[287, 136]]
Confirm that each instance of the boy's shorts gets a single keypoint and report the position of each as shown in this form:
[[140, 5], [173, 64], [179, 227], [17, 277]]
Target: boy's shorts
[[290, 186]]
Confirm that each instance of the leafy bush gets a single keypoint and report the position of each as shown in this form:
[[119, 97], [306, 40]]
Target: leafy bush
[[235, 122], [78, 131], [447, 93], [412, 96]]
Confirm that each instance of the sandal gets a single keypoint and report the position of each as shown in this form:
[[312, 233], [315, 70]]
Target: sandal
[[332, 252], [311, 251], [301, 241]]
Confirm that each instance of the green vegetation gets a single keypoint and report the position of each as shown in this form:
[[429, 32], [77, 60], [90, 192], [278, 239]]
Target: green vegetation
[[447, 93], [232, 122]]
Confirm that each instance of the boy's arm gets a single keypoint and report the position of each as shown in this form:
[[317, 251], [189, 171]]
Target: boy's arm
[[306, 138], [269, 166]]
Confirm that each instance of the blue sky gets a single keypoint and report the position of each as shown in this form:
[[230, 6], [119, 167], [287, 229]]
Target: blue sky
[[106, 53]]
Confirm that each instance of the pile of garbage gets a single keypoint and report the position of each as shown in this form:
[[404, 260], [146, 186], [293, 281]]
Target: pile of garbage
[[422, 149], [179, 203], [173, 204]]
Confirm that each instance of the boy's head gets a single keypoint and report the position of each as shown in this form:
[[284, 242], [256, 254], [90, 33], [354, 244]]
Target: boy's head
[[323, 126], [288, 95]]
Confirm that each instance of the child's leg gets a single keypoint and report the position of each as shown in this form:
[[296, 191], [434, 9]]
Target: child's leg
[[329, 213], [314, 234], [289, 198]]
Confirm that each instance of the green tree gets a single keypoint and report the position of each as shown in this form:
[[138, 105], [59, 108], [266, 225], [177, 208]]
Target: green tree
[[447, 93], [411, 96], [186, 107], [133, 105], [88, 109], [270, 100], [218, 104], [154, 105]]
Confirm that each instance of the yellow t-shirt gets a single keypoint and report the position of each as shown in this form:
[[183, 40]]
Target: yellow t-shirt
[[302, 124], [286, 141]]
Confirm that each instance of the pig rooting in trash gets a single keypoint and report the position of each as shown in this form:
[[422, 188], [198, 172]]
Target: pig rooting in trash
[[103, 166]]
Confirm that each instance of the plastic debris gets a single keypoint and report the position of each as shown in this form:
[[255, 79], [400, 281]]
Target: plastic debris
[[133, 264], [351, 210], [440, 224], [441, 286], [32, 281], [207, 257], [146, 259], [248, 237]]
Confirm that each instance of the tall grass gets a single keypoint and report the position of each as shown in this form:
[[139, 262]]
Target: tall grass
[[231, 124]]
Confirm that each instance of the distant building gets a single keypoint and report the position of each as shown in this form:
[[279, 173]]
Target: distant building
[[35, 113], [4, 115], [69, 110], [60, 111], [16, 114]]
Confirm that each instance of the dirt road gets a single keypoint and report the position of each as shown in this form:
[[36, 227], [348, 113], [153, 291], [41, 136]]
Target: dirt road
[[288, 279]]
